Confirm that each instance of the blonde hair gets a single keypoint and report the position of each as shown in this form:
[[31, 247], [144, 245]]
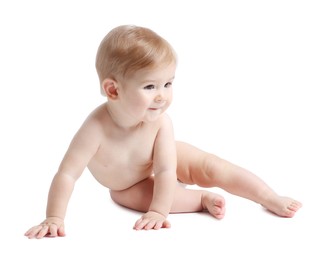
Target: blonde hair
[[128, 48]]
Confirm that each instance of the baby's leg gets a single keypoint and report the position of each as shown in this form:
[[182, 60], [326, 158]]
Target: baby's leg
[[189, 200], [207, 170], [139, 196]]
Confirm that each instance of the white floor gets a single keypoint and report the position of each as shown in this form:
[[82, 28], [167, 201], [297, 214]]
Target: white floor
[[252, 86], [98, 229]]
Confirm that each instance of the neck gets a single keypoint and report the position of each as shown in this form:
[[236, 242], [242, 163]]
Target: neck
[[123, 123]]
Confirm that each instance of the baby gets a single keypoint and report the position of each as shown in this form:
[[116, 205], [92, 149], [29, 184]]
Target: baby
[[128, 144]]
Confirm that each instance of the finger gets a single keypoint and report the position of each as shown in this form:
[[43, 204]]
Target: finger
[[162, 224], [32, 232], [52, 230], [43, 231], [140, 224], [27, 233], [61, 231], [158, 224], [166, 224], [137, 223], [150, 224]]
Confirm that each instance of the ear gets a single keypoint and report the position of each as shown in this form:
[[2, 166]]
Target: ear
[[110, 88]]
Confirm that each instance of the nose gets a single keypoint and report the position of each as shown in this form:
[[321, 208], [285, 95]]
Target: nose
[[160, 97]]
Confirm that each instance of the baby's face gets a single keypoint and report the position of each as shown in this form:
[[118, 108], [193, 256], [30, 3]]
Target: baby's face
[[148, 93]]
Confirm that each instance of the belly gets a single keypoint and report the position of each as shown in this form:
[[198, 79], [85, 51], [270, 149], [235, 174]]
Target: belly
[[119, 177]]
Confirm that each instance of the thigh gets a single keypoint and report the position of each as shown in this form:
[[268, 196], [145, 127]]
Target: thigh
[[191, 163], [137, 197]]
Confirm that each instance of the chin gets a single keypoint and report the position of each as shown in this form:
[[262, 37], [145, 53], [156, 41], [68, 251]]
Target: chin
[[150, 119]]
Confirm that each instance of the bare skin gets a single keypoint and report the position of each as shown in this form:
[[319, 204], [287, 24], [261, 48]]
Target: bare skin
[[139, 196], [196, 167], [208, 170], [128, 145]]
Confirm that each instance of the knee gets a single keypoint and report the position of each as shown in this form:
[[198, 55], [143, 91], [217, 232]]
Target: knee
[[211, 168], [114, 195], [119, 197], [122, 198], [208, 163]]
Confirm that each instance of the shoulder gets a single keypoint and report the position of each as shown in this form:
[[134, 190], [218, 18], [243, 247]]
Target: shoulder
[[166, 119], [95, 121], [165, 124], [98, 116]]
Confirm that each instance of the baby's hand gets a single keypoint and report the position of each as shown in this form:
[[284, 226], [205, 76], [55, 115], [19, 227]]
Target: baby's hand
[[51, 227], [152, 220]]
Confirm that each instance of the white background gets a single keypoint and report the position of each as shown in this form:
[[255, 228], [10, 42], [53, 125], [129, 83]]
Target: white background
[[252, 86]]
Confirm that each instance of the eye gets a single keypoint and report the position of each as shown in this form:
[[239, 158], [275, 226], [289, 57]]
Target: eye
[[149, 87], [168, 85]]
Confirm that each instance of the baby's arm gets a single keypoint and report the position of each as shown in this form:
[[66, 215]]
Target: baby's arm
[[165, 179], [83, 146]]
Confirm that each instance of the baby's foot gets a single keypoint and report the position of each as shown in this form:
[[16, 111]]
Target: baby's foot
[[283, 206], [214, 204]]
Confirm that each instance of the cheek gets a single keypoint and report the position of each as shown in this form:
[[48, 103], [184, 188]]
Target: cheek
[[170, 97], [139, 101]]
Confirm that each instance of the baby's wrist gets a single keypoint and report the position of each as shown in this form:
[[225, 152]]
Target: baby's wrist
[[158, 212]]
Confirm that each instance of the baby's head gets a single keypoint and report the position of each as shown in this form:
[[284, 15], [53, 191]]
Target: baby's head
[[127, 49]]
